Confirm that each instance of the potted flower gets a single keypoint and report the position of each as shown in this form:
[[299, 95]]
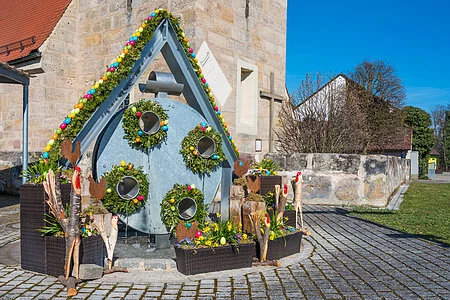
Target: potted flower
[[267, 169], [219, 246], [284, 240]]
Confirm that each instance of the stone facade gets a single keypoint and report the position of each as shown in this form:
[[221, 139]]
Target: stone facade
[[92, 32], [345, 179]]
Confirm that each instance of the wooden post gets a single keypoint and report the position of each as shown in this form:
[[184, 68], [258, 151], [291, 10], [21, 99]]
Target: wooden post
[[237, 195]]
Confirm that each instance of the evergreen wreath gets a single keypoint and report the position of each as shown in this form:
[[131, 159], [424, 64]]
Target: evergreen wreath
[[136, 137], [112, 201], [169, 206], [192, 158]]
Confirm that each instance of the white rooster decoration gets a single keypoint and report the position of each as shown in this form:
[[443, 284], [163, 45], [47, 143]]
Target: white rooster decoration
[[107, 226]]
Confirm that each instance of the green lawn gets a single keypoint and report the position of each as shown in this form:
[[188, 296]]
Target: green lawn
[[425, 211]]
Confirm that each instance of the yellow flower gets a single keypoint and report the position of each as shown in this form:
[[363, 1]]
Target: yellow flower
[[275, 173], [206, 229], [229, 226], [240, 226], [201, 238], [197, 242], [215, 227], [218, 214], [208, 243], [244, 236], [216, 244], [272, 237]]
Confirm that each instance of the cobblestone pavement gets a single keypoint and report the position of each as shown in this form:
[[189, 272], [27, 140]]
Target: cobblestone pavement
[[352, 259]]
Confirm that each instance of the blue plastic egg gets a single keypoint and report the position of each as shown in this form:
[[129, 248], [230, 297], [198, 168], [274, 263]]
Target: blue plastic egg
[[45, 155], [165, 127], [140, 132], [67, 121]]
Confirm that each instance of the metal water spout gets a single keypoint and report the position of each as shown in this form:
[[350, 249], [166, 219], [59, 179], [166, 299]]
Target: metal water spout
[[162, 84]]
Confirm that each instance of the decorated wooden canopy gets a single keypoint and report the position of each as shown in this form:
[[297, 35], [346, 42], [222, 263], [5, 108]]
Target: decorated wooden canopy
[[96, 110]]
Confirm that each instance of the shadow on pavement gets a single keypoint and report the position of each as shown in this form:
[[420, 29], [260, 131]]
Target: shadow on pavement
[[8, 200]]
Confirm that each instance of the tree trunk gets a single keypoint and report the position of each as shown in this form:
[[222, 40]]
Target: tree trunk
[[73, 232], [248, 208]]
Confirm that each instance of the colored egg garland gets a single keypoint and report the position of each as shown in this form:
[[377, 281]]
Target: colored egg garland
[[145, 132], [170, 215], [195, 161], [116, 203], [119, 69]]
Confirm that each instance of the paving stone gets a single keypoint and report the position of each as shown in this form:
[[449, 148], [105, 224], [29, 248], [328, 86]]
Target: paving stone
[[352, 259]]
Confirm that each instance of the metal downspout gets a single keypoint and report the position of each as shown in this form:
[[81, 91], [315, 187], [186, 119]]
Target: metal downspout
[[25, 131]]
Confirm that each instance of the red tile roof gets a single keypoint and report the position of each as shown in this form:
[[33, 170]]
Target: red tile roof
[[402, 141], [29, 22]]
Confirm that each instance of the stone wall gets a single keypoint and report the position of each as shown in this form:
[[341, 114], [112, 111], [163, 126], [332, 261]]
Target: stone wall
[[345, 179], [91, 33]]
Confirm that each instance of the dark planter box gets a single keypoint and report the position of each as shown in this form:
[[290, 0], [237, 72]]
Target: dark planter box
[[91, 252], [36, 251], [203, 260], [291, 218], [268, 184], [282, 247]]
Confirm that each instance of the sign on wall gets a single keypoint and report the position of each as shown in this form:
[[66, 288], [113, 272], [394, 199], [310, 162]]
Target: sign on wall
[[220, 87]]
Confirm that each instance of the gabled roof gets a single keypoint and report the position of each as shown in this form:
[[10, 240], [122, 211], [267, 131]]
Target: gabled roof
[[26, 24], [326, 84]]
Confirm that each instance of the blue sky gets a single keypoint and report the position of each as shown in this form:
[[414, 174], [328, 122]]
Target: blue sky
[[334, 36]]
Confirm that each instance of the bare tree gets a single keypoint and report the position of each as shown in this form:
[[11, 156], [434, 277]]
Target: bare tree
[[325, 119], [381, 95], [438, 119], [381, 81]]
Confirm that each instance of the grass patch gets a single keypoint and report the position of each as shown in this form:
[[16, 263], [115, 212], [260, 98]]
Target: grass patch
[[425, 211]]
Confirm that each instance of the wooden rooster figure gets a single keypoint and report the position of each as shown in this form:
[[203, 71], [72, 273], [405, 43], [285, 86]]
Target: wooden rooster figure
[[298, 205], [69, 223], [263, 238], [97, 190], [241, 167], [107, 226], [66, 151], [254, 185]]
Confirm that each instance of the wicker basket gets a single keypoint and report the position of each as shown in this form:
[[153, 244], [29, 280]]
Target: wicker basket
[[283, 246], [203, 260], [32, 210], [291, 218], [91, 252], [47, 254], [268, 184]]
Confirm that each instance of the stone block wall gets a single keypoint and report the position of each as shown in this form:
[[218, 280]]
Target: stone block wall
[[345, 179]]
